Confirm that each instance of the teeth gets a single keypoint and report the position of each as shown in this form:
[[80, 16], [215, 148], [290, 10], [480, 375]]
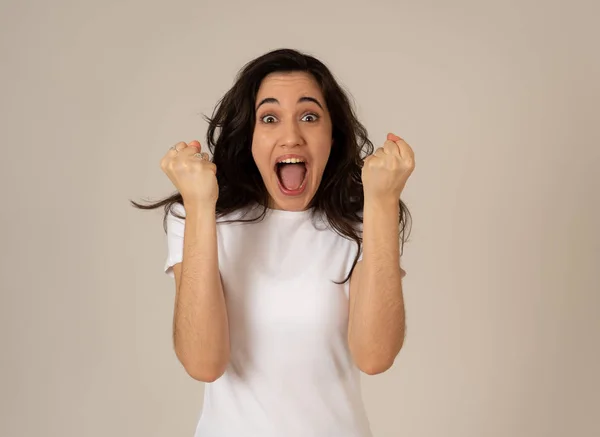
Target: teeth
[[291, 161]]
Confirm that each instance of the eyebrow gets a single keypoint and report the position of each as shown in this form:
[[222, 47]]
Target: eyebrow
[[300, 100]]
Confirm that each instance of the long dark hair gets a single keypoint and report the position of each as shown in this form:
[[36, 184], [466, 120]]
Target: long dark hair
[[229, 138]]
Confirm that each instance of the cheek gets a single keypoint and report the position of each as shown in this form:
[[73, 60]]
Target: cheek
[[322, 154], [325, 143], [260, 153]]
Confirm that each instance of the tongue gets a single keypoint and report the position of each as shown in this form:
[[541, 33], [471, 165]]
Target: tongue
[[292, 175]]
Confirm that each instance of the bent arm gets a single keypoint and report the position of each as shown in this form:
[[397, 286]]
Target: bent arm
[[200, 324]]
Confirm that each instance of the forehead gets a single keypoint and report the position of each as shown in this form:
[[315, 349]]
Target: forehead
[[292, 84]]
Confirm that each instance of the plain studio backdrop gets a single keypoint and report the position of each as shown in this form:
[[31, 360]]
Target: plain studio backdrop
[[499, 100]]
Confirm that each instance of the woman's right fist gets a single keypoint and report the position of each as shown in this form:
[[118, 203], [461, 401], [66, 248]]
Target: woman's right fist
[[194, 176]]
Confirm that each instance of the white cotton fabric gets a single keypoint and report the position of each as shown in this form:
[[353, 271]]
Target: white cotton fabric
[[290, 372]]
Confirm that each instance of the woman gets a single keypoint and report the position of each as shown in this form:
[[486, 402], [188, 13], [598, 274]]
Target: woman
[[285, 251]]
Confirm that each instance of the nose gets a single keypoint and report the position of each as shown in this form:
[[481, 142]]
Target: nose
[[291, 135]]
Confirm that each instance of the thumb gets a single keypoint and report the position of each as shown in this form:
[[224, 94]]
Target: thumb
[[195, 144], [392, 137]]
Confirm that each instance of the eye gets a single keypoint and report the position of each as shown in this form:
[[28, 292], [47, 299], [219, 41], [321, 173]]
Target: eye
[[310, 118], [267, 119]]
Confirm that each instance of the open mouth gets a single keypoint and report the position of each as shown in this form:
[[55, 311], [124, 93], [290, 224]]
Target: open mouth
[[291, 174]]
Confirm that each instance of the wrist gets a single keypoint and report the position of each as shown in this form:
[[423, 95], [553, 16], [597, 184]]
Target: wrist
[[199, 208], [382, 203]]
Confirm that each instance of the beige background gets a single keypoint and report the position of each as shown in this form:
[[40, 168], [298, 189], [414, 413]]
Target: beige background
[[500, 102]]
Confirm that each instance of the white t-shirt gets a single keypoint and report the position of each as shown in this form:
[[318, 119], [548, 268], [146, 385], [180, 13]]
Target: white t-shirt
[[290, 372]]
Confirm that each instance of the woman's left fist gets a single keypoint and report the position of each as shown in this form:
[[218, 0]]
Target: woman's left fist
[[385, 172]]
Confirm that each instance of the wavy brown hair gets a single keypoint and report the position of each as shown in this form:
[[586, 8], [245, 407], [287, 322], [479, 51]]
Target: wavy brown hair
[[229, 137]]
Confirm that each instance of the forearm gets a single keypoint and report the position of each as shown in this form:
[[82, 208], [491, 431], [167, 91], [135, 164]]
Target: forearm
[[378, 321], [201, 332]]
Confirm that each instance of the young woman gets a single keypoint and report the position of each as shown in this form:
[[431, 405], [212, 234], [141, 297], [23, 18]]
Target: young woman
[[285, 250]]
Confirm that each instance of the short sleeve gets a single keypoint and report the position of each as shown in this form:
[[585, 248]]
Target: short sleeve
[[175, 231]]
